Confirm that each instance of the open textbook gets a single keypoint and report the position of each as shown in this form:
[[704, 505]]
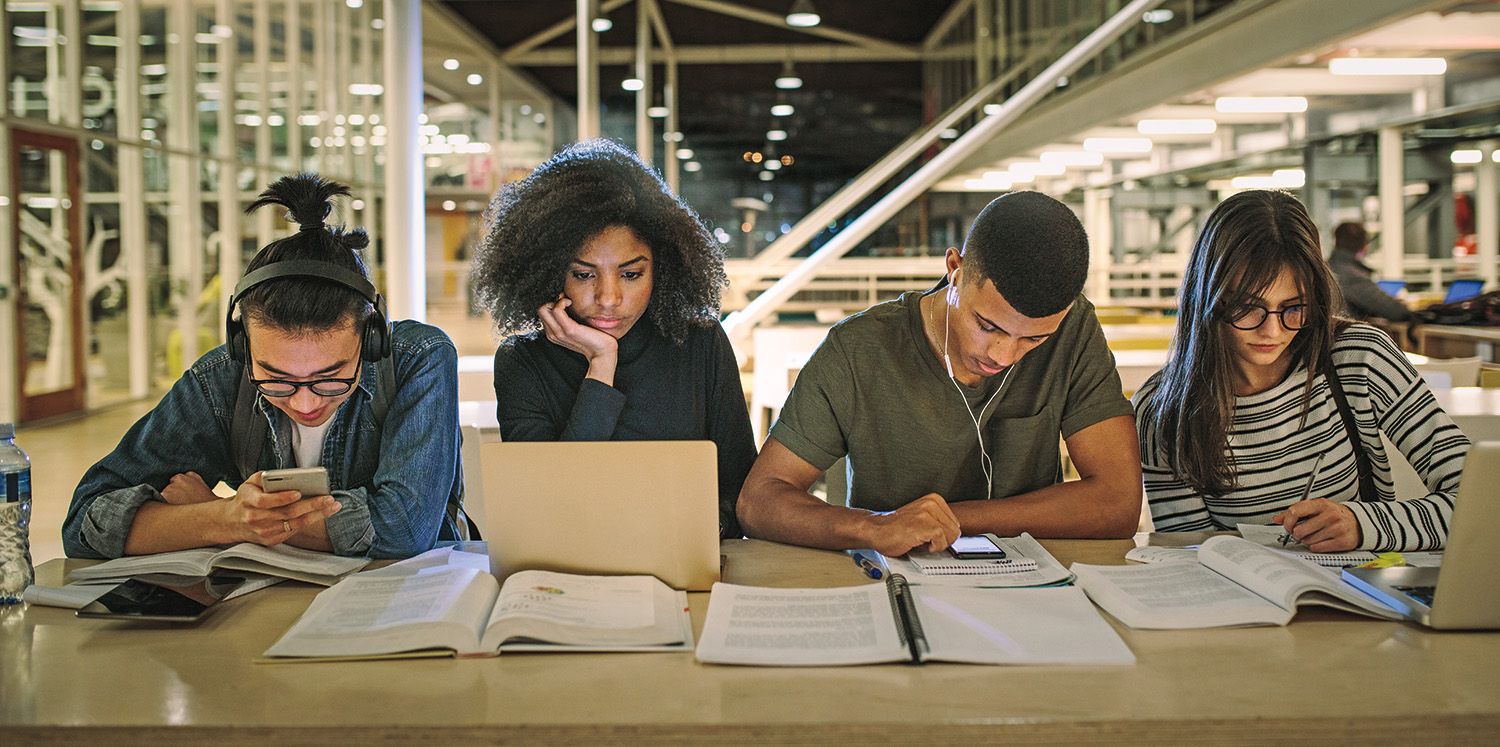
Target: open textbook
[[1233, 582], [893, 622], [324, 569], [449, 610]]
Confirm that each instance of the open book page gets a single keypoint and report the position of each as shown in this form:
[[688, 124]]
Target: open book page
[[292, 562], [800, 627], [593, 611], [1016, 626], [371, 615], [278, 560], [1285, 579], [1046, 572], [1175, 595], [195, 562]]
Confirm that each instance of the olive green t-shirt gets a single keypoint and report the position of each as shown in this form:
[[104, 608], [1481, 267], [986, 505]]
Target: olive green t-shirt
[[874, 391]]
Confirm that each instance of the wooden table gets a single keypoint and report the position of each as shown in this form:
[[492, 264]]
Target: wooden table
[[1329, 677], [1458, 341]]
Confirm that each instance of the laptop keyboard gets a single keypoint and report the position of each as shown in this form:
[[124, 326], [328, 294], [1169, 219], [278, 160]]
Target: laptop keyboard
[[1421, 593]]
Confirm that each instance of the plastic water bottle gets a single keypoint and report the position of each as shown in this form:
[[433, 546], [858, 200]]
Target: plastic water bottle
[[15, 517]]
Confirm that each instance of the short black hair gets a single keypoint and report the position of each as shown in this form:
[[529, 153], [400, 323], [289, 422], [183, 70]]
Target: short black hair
[[535, 227], [1033, 249], [307, 304]]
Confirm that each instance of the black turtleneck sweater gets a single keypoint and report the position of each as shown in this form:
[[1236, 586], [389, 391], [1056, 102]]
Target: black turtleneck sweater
[[663, 392]]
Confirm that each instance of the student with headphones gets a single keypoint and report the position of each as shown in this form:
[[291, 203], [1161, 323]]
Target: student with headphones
[[313, 373], [949, 405]]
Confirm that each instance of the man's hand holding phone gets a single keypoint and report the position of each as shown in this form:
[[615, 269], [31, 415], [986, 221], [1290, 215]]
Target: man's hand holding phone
[[269, 516]]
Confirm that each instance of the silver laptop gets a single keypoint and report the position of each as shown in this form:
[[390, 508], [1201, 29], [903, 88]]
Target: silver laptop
[[604, 507], [1463, 593]]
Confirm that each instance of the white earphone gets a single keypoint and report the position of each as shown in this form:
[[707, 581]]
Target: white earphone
[[985, 463]]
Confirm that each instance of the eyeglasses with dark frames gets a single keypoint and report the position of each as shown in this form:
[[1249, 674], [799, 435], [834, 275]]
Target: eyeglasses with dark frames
[[1250, 316], [321, 387]]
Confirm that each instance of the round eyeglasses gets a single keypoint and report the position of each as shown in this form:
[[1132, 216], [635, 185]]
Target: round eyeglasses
[[321, 387], [1250, 316]]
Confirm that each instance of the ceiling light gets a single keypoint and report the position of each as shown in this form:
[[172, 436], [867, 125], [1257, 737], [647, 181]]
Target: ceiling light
[[692, 166], [475, 79], [449, 205], [782, 110], [1466, 156], [788, 77], [1388, 66], [991, 108], [1156, 16], [601, 23], [632, 84], [802, 14], [1073, 158], [986, 185], [1176, 126], [450, 64], [1279, 179], [684, 154], [1117, 144], [1260, 104], [658, 112], [772, 164], [1033, 168], [776, 135], [766, 176], [948, 134]]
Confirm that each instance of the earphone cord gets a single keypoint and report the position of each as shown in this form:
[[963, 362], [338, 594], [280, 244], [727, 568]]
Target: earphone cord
[[985, 464]]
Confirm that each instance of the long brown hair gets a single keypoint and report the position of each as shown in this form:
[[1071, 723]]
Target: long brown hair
[[1247, 242]]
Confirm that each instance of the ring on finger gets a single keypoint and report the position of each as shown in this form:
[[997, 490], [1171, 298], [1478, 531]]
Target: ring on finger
[[286, 526]]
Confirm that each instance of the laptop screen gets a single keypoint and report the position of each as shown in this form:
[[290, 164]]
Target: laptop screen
[[1463, 290], [1392, 287]]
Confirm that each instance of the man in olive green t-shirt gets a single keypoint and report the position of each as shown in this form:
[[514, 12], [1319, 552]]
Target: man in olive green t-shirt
[[947, 429]]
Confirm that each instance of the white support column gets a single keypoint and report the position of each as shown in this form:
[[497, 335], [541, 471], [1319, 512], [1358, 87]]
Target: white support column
[[669, 96], [186, 255], [1487, 212], [227, 57], [588, 70], [72, 90], [261, 56], [1392, 204], [8, 299], [294, 86], [405, 214], [132, 186], [1096, 222], [643, 128]]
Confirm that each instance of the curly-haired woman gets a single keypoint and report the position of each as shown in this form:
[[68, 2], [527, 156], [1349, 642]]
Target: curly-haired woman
[[607, 286]]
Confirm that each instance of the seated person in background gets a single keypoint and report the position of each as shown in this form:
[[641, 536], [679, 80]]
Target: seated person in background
[[312, 374], [609, 285], [949, 405], [1234, 425], [1364, 299]]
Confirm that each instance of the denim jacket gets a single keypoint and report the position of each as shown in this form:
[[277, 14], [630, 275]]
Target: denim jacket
[[400, 486]]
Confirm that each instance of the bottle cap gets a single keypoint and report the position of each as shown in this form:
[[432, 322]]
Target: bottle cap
[[7, 430]]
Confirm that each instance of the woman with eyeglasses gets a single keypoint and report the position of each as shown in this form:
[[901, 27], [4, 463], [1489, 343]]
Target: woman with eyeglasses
[[1271, 406]]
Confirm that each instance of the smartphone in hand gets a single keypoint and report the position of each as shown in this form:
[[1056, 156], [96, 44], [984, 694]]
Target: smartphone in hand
[[309, 481], [977, 547]]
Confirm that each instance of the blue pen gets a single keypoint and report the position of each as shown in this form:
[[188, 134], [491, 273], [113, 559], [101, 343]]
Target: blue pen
[[870, 568]]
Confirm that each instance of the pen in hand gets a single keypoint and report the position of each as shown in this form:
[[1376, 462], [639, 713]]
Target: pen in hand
[[870, 567], [1286, 536]]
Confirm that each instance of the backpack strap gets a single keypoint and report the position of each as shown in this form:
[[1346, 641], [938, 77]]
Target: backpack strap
[[1361, 459]]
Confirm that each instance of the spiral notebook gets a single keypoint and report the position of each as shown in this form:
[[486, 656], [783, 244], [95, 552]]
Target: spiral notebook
[[1026, 563]]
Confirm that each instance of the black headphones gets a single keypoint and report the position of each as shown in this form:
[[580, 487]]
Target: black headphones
[[375, 343]]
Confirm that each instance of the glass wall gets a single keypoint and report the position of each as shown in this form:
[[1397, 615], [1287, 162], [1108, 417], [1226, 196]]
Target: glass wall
[[183, 110]]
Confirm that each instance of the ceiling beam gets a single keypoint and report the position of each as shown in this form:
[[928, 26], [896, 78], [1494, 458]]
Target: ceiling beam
[[771, 19], [552, 32], [726, 55]]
